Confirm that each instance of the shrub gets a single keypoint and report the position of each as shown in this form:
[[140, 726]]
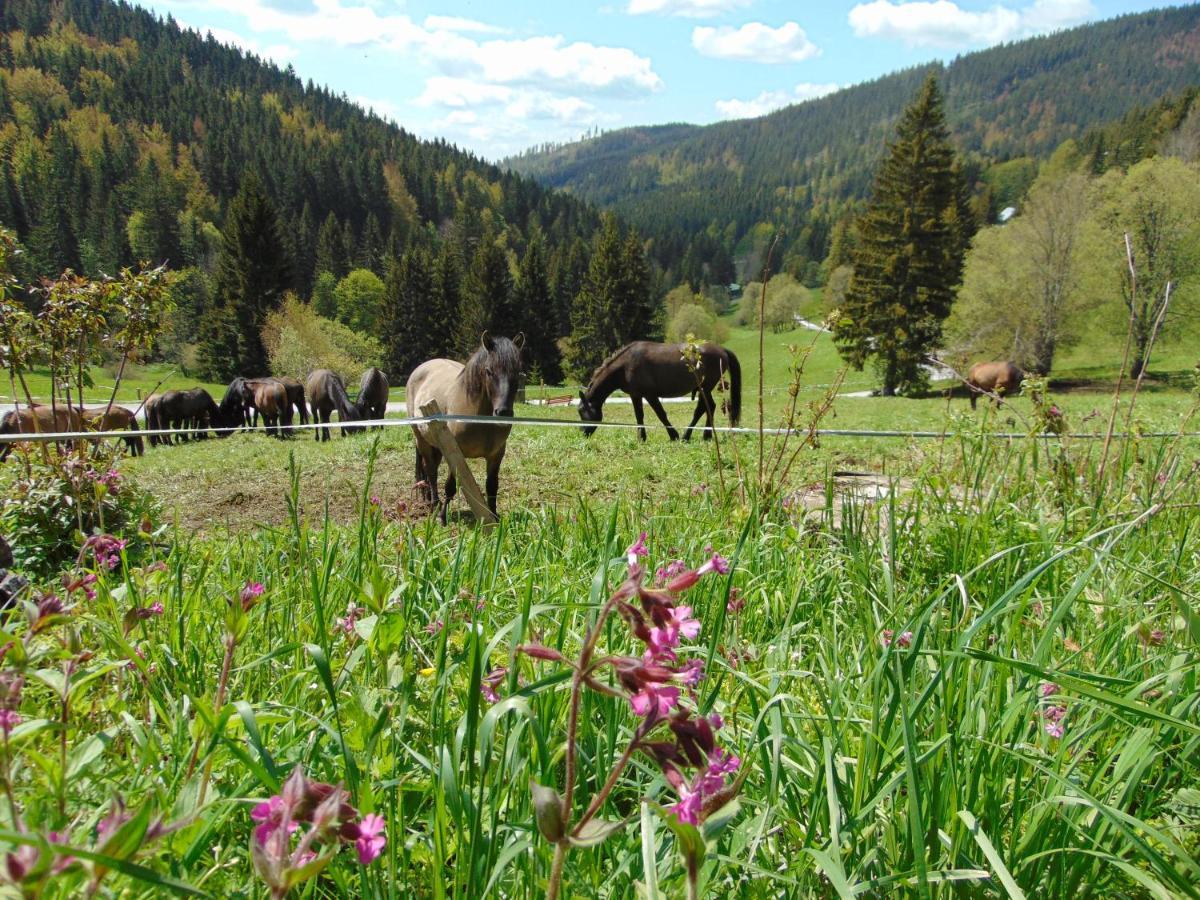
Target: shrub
[[698, 321], [298, 341]]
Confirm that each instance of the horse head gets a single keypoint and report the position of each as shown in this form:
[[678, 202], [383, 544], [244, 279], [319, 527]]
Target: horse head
[[589, 411], [498, 362]]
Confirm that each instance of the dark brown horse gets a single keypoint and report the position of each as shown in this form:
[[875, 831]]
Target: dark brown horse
[[116, 418], [271, 401], [192, 412], [327, 394], [647, 371], [1002, 379], [373, 394], [237, 404], [38, 420], [486, 386]]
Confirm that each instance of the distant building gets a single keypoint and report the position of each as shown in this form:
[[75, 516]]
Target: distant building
[[735, 290], [1005, 214]]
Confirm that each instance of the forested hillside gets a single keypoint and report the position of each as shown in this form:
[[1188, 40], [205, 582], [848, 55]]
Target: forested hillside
[[708, 195], [124, 138]]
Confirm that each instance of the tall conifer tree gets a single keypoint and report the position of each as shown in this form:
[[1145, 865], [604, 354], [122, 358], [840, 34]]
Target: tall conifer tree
[[409, 325], [253, 272], [535, 305], [910, 251]]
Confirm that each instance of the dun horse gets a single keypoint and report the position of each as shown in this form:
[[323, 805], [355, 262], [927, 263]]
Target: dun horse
[[647, 371], [486, 385], [38, 419], [1001, 379], [373, 394], [326, 393]]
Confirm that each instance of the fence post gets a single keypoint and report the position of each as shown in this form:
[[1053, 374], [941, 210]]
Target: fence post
[[441, 436]]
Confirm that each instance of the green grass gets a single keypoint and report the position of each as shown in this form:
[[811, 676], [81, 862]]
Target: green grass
[[922, 771]]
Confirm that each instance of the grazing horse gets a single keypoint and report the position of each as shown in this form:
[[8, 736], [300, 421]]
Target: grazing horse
[[326, 393], [648, 370], [116, 418], [295, 395], [999, 378], [192, 410], [154, 420], [486, 385], [272, 402], [237, 404], [373, 394], [38, 420]]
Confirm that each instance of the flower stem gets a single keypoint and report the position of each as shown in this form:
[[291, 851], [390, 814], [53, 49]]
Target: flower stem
[[226, 665], [556, 871]]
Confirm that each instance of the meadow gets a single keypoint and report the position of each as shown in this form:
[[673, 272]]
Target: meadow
[[982, 684]]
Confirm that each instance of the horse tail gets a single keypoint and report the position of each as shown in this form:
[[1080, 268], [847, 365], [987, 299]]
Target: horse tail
[[135, 442], [735, 388]]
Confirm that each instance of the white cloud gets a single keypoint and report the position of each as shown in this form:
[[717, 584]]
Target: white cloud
[[755, 42], [692, 9], [942, 23], [381, 106], [455, 23], [769, 101], [446, 44]]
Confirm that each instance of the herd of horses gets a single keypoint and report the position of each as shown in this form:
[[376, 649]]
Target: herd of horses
[[486, 386]]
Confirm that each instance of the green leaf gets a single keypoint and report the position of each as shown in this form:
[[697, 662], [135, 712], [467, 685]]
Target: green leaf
[[309, 870], [595, 831], [993, 858]]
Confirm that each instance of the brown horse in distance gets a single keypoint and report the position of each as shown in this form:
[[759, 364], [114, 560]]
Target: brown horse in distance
[[327, 393], [295, 395], [116, 418], [38, 420], [1001, 379], [373, 395], [646, 370], [271, 401]]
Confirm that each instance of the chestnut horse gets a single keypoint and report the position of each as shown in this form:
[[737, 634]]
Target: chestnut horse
[[648, 370], [998, 378], [116, 418], [271, 401], [486, 386], [38, 420]]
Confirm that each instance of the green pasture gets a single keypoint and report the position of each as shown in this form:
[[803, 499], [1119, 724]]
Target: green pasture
[[922, 771]]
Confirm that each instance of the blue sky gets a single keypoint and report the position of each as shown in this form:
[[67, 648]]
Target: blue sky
[[497, 77]]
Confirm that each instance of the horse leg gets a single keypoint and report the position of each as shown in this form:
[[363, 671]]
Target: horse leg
[[687, 435], [492, 485], [639, 415], [656, 405], [974, 395], [710, 408]]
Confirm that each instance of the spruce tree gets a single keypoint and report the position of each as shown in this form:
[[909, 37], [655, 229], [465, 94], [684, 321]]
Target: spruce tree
[[331, 255], [535, 306], [447, 301], [909, 254], [409, 327], [486, 297], [253, 272]]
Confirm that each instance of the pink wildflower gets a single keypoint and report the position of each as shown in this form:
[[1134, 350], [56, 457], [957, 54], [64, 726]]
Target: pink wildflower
[[736, 602], [692, 672], [687, 810], [372, 838], [435, 627], [270, 816], [636, 549], [670, 571], [1055, 729], [347, 623], [1048, 689], [653, 700], [375, 501], [491, 681], [888, 637], [156, 608], [9, 719], [1054, 713], [250, 593]]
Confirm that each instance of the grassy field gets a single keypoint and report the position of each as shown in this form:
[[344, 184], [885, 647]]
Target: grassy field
[[985, 683], [1028, 730]]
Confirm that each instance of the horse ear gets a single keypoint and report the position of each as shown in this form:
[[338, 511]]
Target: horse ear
[[519, 340], [486, 341]]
